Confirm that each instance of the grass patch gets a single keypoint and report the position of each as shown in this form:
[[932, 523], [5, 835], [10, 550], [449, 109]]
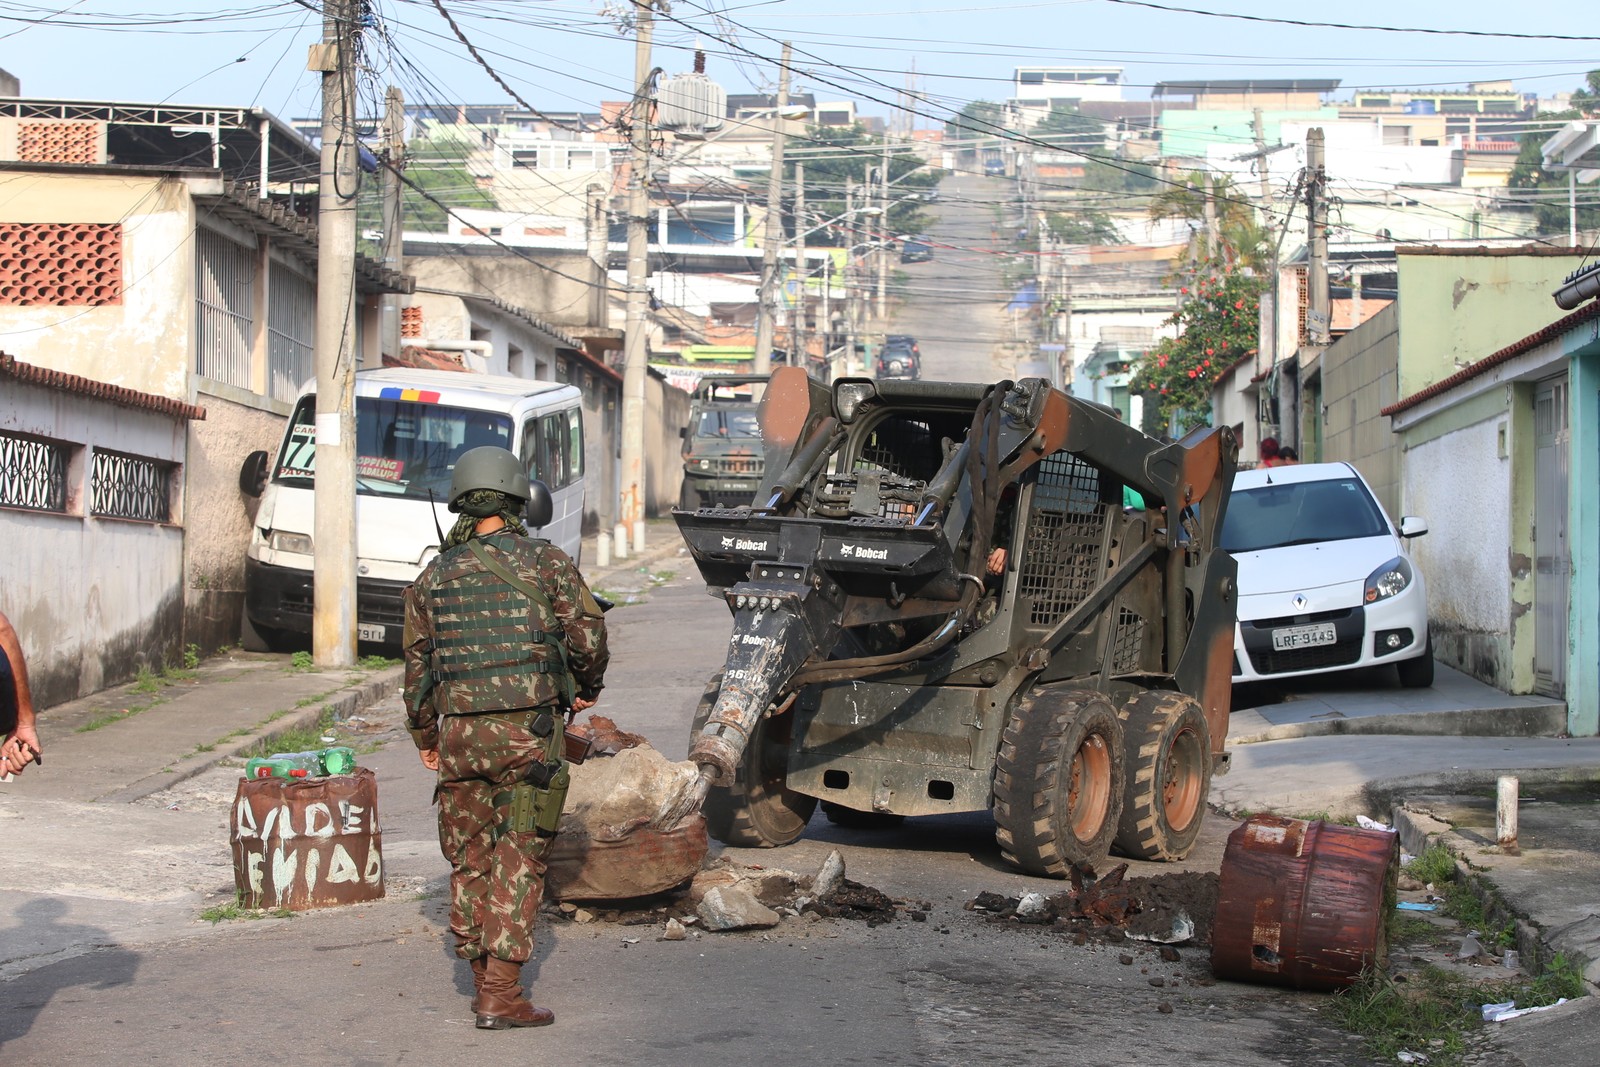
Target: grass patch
[[301, 662], [1437, 865], [236, 910], [107, 719], [375, 663], [301, 739], [146, 681], [1436, 1011]]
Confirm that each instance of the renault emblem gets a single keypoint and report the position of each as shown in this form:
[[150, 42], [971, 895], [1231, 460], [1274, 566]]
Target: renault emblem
[[1300, 602]]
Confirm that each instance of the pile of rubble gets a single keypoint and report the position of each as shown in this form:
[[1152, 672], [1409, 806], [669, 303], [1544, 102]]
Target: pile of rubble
[[1167, 909], [728, 896]]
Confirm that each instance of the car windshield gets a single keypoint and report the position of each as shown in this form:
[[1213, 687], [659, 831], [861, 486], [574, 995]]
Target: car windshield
[[730, 423], [404, 448], [1300, 513]]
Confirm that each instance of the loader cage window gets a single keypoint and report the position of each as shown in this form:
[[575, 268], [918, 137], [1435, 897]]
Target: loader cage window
[[1062, 559]]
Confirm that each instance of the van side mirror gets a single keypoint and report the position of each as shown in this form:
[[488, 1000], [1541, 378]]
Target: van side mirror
[[541, 508], [1411, 526], [253, 474], [683, 432]]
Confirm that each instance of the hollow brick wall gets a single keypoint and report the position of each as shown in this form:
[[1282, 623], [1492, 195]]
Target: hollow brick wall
[[46, 264], [58, 142]]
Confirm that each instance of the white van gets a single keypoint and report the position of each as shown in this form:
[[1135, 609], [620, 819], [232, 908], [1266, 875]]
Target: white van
[[411, 425]]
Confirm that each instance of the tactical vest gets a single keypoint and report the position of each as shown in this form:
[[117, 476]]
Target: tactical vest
[[492, 639]]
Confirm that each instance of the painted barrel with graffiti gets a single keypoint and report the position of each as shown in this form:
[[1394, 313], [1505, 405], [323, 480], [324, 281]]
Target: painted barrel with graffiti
[[307, 843], [1303, 904]]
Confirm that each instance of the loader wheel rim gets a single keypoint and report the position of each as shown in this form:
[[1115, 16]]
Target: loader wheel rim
[[1182, 776], [1089, 788]]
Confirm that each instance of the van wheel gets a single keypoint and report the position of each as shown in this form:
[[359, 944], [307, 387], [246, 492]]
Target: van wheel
[[254, 637], [757, 811], [1058, 781], [1169, 776], [1417, 673]]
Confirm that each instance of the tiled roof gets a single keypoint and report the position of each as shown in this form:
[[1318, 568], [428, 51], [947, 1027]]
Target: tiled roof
[[11, 367], [1489, 362]]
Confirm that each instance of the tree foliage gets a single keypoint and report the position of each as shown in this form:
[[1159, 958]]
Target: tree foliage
[[1069, 129], [981, 118], [1218, 324], [1240, 238], [849, 152], [1086, 226], [1545, 189], [439, 168]]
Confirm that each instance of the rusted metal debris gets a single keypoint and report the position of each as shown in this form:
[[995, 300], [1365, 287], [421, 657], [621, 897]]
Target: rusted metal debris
[[1113, 907]]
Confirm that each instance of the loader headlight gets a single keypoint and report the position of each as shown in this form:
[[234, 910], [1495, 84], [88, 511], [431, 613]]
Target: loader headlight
[[1388, 580], [283, 541]]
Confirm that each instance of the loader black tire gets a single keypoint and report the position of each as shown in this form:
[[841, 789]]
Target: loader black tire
[[756, 811], [1058, 781], [1169, 775]]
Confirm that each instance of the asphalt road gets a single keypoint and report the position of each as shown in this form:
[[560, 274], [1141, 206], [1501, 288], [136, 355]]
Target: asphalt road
[[954, 303], [376, 984]]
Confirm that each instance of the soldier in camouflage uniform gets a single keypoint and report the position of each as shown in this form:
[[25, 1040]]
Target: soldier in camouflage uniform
[[502, 637]]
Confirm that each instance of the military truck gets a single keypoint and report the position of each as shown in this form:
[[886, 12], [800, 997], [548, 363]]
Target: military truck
[[722, 454], [946, 600]]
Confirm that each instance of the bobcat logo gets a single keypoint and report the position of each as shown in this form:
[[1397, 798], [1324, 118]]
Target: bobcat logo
[[727, 542]]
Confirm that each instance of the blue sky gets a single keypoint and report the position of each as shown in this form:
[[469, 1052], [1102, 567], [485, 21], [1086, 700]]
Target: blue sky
[[569, 54]]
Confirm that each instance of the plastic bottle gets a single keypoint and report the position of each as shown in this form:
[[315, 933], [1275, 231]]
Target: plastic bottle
[[338, 759]]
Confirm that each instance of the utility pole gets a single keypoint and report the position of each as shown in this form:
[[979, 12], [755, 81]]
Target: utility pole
[[1317, 235], [636, 344], [883, 236], [774, 226], [1260, 130], [800, 356], [333, 620], [850, 273], [598, 237], [394, 151]]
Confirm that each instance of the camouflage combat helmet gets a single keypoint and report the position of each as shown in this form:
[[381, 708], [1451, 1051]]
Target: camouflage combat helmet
[[488, 467], [494, 468]]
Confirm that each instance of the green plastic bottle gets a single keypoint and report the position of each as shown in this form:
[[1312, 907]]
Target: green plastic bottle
[[338, 759]]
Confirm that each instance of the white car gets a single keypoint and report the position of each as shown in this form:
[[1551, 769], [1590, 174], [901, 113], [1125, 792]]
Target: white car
[[1325, 579]]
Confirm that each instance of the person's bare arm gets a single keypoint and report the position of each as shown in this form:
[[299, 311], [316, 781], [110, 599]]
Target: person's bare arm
[[22, 747]]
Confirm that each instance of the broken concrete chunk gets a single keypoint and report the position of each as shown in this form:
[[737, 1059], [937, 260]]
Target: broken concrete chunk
[[829, 877], [675, 931], [734, 909], [1032, 906]]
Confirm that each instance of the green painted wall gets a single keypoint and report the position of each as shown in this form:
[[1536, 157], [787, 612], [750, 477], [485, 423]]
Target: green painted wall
[[1190, 133], [1455, 310]]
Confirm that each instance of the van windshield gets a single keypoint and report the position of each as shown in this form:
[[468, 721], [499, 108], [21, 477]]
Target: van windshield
[[404, 448]]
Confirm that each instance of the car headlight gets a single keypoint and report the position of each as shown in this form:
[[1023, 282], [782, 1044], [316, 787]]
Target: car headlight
[[282, 541], [705, 464], [1388, 580]]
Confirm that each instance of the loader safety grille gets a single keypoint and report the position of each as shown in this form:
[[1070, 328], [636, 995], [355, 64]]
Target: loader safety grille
[[1063, 556], [1128, 642]]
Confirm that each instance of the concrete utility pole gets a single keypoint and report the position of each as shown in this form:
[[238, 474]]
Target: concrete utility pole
[[333, 621], [851, 274], [636, 350], [1317, 235], [883, 236], [597, 233], [394, 150], [798, 331], [774, 227]]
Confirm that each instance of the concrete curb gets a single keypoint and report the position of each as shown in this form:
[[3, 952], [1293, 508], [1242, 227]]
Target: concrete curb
[[1385, 794], [1548, 721], [1537, 946], [344, 704]]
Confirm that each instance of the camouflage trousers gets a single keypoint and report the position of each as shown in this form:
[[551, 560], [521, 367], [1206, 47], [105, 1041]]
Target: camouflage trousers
[[496, 879]]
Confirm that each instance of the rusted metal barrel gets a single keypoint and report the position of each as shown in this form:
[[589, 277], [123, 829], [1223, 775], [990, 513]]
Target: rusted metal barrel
[[1303, 904], [635, 862], [307, 843]]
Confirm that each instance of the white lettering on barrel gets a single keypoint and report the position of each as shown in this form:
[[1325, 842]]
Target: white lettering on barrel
[[374, 871], [252, 871], [283, 868], [313, 861], [312, 827], [341, 868]]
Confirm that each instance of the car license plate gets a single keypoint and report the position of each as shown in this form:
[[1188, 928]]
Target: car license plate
[[1321, 633], [370, 632]]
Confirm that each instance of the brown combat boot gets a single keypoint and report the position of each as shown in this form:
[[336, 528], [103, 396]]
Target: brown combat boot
[[480, 971], [501, 1005]]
